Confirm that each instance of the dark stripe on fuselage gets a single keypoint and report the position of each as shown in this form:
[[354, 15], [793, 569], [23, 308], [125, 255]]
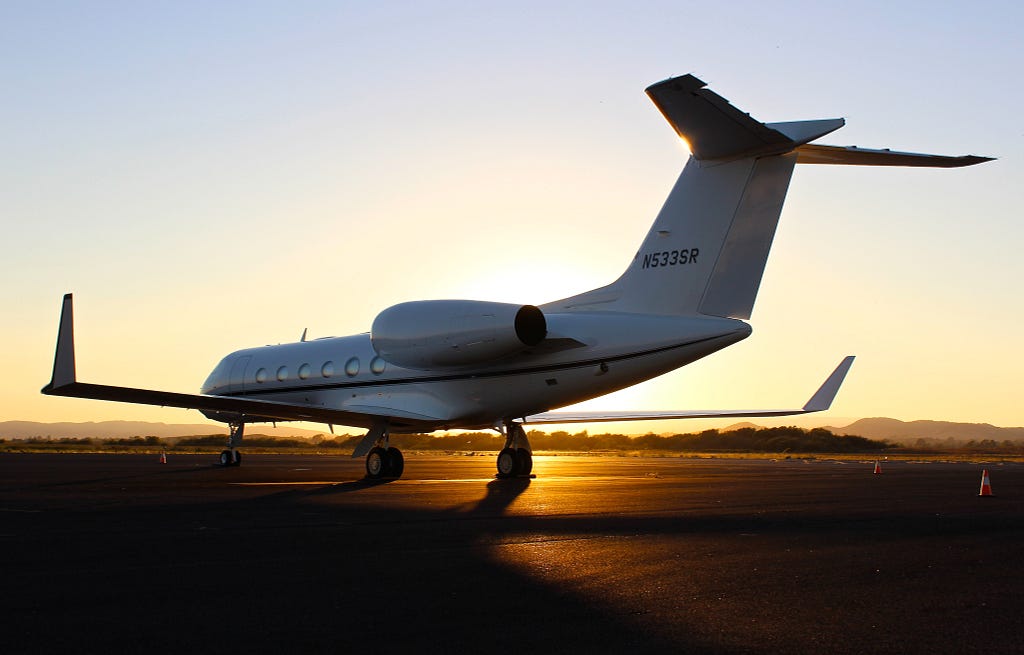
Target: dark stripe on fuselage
[[467, 376]]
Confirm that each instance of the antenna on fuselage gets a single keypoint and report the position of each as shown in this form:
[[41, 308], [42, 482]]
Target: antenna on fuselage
[[303, 334]]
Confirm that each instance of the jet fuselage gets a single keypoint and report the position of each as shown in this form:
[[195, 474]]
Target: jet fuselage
[[607, 352]]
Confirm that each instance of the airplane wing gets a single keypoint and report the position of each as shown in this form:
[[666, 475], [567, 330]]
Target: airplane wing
[[65, 383], [820, 401]]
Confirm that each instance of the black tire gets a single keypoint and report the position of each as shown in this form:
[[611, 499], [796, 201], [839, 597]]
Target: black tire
[[395, 463], [376, 463], [225, 458], [524, 462], [238, 459], [508, 463]]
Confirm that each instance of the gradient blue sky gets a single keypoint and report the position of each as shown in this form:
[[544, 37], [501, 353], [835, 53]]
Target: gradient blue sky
[[210, 176]]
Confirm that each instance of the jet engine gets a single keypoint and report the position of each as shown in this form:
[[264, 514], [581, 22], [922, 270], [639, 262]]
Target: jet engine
[[430, 334]]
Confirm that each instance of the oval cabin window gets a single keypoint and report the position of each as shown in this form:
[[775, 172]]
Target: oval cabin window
[[352, 367]]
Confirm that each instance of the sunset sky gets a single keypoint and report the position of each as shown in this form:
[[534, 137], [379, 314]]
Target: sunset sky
[[211, 176]]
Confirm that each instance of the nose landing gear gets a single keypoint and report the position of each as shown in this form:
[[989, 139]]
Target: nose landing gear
[[231, 456]]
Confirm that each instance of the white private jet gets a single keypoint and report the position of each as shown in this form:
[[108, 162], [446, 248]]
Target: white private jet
[[466, 364]]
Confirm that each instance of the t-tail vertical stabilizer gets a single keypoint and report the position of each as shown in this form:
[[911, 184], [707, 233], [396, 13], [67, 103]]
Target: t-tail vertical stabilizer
[[707, 250]]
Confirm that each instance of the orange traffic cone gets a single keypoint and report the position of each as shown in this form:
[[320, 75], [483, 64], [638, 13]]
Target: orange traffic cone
[[878, 468], [986, 486], [163, 458]]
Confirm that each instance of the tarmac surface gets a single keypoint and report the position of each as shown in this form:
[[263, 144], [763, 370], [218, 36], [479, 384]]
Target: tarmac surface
[[118, 553]]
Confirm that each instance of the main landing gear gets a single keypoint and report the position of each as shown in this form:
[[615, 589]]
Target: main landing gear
[[382, 461], [231, 456], [516, 458]]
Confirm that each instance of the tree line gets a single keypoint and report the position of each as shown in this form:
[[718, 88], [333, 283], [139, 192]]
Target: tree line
[[744, 440]]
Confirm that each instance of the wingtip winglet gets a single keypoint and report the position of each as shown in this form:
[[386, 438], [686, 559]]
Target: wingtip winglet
[[826, 393], [64, 357]]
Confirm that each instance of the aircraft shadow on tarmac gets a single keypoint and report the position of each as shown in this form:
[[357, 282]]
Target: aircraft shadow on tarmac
[[438, 576], [347, 487], [500, 494], [292, 569]]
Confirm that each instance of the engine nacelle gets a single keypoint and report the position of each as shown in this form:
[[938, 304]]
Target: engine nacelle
[[429, 334]]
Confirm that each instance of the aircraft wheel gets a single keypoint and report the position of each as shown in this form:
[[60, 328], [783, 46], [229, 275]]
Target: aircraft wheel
[[507, 463], [524, 462], [394, 462], [238, 459], [376, 463], [225, 458]]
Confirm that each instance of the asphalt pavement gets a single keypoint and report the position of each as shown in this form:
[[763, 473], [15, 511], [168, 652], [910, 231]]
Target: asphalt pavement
[[119, 553]]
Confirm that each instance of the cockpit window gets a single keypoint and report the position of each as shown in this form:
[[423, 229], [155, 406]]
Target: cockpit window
[[219, 377]]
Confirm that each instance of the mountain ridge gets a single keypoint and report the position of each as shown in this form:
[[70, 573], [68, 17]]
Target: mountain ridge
[[909, 431]]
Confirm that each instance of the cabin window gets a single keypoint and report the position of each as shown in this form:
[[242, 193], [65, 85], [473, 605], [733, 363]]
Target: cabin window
[[261, 375], [304, 371], [282, 374], [327, 370], [352, 367], [377, 365]]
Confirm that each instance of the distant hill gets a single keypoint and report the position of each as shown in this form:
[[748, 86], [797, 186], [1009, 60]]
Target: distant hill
[[127, 429], [744, 425], [910, 431]]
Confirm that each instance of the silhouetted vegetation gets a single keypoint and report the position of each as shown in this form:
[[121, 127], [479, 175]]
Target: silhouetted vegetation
[[971, 446], [761, 440], [745, 440], [254, 441]]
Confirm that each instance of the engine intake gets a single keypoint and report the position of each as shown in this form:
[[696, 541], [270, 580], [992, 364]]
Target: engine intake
[[429, 334]]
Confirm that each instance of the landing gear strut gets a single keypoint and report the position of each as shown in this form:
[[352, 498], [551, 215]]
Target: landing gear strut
[[382, 461], [231, 456], [516, 458]]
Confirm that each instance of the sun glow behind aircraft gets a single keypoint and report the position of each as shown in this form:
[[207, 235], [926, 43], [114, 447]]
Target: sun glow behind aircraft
[[449, 364]]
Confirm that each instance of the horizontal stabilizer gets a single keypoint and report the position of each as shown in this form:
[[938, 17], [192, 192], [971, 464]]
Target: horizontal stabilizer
[[854, 156], [715, 130], [819, 402]]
